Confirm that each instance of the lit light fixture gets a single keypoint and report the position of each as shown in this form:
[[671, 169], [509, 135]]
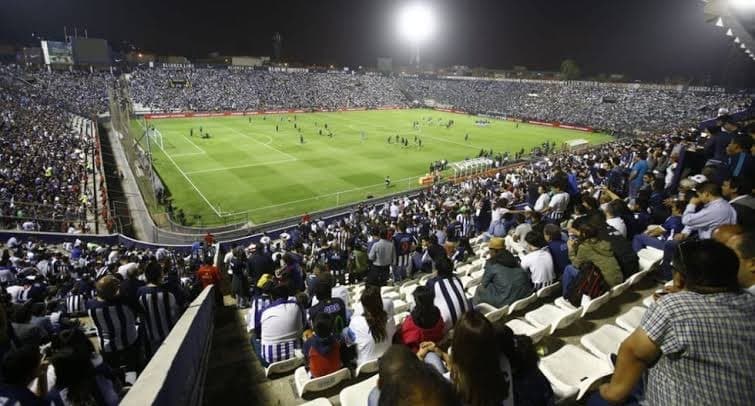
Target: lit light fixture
[[729, 33], [742, 46], [720, 22], [416, 22], [736, 40]]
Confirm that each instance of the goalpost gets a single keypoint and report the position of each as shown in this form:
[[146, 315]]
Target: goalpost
[[156, 137]]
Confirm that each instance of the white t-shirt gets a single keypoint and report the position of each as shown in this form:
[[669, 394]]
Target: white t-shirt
[[540, 265], [618, 224], [542, 202], [670, 174], [281, 322], [124, 269], [358, 333]]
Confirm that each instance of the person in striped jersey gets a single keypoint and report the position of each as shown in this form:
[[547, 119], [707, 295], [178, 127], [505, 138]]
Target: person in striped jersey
[[449, 293], [75, 303], [559, 202], [281, 327], [405, 244], [159, 307], [115, 323]]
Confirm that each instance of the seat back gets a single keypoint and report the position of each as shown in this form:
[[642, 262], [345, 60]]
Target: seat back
[[620, 288], [282, 367], [304, 384], [569, 317], [549, 290], [522, 303], [496, 314], [356, 395], [368, 367], [594, 304]]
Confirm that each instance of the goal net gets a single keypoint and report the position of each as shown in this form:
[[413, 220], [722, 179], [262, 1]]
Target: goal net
[[154, 136]]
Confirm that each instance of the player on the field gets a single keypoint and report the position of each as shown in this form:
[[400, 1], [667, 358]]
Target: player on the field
[[191, 132], [387, 182], [276, 128], [301, 139], [466, 137]]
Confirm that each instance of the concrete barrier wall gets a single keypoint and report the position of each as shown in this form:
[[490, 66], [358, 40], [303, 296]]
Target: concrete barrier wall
[[176, 373]]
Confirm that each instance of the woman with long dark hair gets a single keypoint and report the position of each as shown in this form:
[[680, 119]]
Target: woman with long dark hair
[[371, 331], [476, 371], [424, 323]]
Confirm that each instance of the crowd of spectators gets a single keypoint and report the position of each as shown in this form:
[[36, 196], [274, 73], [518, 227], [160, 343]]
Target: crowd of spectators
[[54, 297], [45, 158], [608, 107], [223, 90], [567, 217]]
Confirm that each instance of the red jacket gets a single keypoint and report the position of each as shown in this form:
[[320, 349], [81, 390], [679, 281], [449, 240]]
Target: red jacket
[[412, 335], [208, 275]]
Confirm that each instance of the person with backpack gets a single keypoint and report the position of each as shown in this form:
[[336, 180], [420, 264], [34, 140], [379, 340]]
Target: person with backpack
[[588, 247]]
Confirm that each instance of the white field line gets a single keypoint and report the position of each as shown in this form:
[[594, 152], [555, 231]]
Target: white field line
[[261, 143], [317, 197], [196, 189], [225, 168], [188, 154], [195, 145]]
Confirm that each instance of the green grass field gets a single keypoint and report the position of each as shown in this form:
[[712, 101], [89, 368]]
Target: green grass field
[[250, 171]]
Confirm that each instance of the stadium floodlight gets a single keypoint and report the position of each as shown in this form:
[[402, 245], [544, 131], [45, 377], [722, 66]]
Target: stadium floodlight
[[720, 22], [736, 40], [742, 5], [416, 23], [729, 33], [742, 46]]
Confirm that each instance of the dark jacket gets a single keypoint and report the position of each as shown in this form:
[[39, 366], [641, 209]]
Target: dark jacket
[[503, 282]]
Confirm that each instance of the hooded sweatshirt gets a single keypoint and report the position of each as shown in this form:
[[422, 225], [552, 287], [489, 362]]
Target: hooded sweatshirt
[[322, 355], [601, 254]]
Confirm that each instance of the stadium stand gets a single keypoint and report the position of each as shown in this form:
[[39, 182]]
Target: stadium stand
[[679, 206]]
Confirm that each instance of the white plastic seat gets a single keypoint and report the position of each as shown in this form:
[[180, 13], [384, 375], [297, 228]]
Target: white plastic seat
[[604, 341], [399, 318], [648, 301], [305, 384], [569, 367], [356, 395], [477, 274], [368, 367], [620, 288], [588, 305], [492, 313], [521, 327], [651, 254], [549, 290], [522, 303], [392, 295], [633, 279], [460, 273], [400, 306], [423, 280], [386, 289], [553, 317], [470, 281], [631, 319], [318, 402], [282, 367], [472, 290]]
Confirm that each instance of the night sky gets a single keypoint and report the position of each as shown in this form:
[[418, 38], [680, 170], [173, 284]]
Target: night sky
[[645, 39]]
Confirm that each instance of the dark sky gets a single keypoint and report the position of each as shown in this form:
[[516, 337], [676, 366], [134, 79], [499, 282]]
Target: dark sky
[[646, 39]]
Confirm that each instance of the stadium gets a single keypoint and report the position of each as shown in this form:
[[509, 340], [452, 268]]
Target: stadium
[[428, 203]]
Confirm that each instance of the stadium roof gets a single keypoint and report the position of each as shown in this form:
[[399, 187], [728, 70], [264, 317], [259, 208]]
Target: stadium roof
[[737, 22]]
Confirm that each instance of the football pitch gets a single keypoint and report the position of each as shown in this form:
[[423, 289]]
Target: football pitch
[[261, 168]]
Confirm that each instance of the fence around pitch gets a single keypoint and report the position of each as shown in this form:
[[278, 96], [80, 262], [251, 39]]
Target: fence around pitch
[[176, 373]]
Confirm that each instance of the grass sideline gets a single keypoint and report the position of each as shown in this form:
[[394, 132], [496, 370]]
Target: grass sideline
[[248, 171]]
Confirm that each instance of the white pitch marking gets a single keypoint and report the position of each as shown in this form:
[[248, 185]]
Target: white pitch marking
[[241, 166]]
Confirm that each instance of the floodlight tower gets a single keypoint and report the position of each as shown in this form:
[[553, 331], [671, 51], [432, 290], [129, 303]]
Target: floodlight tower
[[416, 23]]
